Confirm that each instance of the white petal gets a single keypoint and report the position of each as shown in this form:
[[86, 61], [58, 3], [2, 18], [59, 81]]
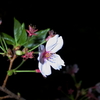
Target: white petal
[[51, 43], [58, 45], [45, 68], [55, 65], [40, 68], [40, 49], [40, 57], [56, 61]]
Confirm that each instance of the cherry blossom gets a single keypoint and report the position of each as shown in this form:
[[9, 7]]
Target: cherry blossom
[[48, 57]]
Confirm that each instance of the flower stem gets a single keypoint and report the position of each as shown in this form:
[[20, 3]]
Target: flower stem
[[77, 94], [19, 71], [36, 46], [2, 49], [20, 64], [83, 98], [1, 53], [5, 44], [73, 76], [36, 52]]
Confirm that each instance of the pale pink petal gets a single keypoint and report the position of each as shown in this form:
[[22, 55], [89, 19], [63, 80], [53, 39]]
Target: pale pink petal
[[56, 62], [55, 65], [57, 59], [41, 51], [51, 43], [58, 45], [45, 68]]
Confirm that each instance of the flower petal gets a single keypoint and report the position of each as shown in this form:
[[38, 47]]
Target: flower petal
[[51, 43], [45, 68], [97, 87], [55, 66], [56, 61], [41, 51], [58, 45]]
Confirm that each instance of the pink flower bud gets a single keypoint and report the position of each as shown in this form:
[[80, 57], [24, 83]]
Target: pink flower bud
[[37, 71], [31, 31], [70, 91], [72, 69]]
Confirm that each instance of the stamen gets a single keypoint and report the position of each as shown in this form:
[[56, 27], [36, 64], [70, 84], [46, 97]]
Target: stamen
[[47, 55]]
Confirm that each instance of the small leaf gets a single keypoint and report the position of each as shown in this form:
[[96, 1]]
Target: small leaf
[[9, 40], [10, 72], [20, 34], [43, 33], [78, 85], [37, 39], [23, 35], [17, 30]]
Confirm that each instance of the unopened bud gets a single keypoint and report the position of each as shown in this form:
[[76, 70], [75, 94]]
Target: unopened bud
[[18, 52], [83, 92], [9, 72], [37, 71]]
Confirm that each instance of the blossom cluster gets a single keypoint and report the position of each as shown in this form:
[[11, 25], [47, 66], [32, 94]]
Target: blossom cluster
[[25, 42], [77, 92], [47, 54]]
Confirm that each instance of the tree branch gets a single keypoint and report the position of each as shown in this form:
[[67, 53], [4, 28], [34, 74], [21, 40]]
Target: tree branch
[[10, 94], [10, 66]]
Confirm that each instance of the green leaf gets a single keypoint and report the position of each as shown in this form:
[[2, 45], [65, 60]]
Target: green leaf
[[9, 40], [43, 32], [20, 34], [10, 72], [23, 36], [17, 30], [36, 39]]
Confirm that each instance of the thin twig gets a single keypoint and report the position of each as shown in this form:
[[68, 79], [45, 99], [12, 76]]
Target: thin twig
[[10, 94], [10, 66], [4, 97], [77, 95]]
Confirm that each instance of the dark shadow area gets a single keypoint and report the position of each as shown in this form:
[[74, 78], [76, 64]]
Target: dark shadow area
[[81, 34]]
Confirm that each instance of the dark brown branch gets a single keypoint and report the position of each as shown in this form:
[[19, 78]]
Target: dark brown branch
[[4, 97], [10, 94]]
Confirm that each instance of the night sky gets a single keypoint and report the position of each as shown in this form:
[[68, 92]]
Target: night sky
[[79, 25]]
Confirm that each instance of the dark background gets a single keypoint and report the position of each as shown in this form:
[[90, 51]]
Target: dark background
[[77, 22]]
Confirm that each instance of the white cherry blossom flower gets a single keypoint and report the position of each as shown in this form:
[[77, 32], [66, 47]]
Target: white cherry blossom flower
[[47, 55]]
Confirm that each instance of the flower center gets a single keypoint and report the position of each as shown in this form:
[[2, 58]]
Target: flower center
[[47, 55]]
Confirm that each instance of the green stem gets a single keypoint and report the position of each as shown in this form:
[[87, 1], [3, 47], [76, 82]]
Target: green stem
[[83, 98], [3, 49], [2, 43], [72, 97], [18, 71], [2, 53], [36, 52], [36, 46], [20, 64], [73, 76], [5, 44]]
